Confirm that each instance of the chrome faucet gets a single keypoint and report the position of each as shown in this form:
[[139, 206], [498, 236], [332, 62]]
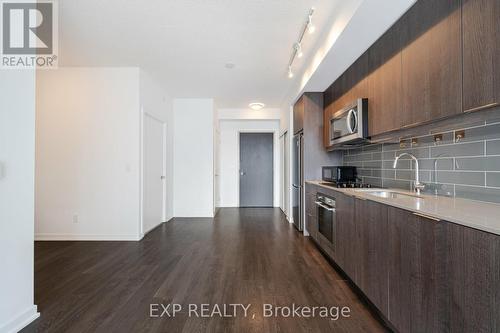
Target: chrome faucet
[[418, 186]]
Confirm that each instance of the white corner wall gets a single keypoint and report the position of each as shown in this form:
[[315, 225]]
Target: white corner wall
[[229, 158], [193, 157], [17, 165], [88, 154]]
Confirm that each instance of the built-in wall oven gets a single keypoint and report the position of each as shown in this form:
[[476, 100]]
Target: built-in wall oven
[[326, 216], [349, 126]]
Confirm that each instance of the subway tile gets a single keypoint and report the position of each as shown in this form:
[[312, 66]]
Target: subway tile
[[372, 164], [377, 156], [402, 165], [355, 151], [489, 163], [361, 157], [458, 150], [481, 133], [357, 164], [493, 179], [493, 147], [389, 155], [400, 184], [376, 182], [463, 178], [417, 152], [390, 146], [425, 176], [478, 193], [441, 164], [389, 174], [373, 148], [492, 115], [377, 173], [364, 172], [447, 190]]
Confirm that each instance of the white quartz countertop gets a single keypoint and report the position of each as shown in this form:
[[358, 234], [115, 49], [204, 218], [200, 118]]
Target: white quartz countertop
[[475, 214]]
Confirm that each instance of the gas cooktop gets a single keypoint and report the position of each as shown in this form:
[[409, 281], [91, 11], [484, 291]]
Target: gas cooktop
[[347, 185]]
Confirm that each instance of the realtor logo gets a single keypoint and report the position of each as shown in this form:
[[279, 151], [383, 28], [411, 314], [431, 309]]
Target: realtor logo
[[29, 38]]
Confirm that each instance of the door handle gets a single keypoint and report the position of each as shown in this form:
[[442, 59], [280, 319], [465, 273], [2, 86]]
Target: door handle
[[162, 177], [242, 173]]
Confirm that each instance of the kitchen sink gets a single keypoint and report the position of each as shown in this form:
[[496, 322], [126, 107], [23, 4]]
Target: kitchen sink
[[392, 195]]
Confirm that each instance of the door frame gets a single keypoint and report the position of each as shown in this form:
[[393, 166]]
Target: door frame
[[145, 114], [275, 143]]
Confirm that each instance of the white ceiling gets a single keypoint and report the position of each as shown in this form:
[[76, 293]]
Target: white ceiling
[[186, 43]]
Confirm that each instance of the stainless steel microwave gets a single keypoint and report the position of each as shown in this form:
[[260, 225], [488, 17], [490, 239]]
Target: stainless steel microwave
[[349, 126]]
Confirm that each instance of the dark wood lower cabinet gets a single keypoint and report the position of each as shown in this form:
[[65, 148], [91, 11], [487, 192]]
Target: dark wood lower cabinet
[[472, 275], [416, 251], [423, 275], [372, 245], [346, 235]]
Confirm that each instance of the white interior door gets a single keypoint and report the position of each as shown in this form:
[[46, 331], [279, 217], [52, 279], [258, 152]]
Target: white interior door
[[154, 173]]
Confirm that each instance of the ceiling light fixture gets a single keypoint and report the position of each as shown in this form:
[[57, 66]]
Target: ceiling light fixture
[[310, 26], [256, 106], [297, 46], [298, 50]]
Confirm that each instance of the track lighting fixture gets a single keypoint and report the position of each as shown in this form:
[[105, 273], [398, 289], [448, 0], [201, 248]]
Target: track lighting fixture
[[297, 46]]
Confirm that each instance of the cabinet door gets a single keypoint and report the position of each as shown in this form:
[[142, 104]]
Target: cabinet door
[[346, 235], [372, 245], [481, 53], [473, 278], [416, 247], [298, 115], [431, 61], [384, 83]]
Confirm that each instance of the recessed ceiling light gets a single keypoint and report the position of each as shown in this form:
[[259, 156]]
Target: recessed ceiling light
[[229, 65], [256, 106]]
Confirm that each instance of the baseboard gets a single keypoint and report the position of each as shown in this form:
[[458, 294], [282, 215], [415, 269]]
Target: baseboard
[[21, 321], [83, 237]]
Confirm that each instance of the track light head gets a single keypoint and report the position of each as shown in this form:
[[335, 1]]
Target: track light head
[[290, 73]]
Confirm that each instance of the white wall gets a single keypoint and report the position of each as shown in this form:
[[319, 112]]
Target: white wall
[[193, 157], [230, 159], [17, 165], [88, 154]]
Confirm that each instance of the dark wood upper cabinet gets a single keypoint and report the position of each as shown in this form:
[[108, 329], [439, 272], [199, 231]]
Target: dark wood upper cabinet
[[372, 250], [481, 54], [298, 115], [431, 61], [384, 83]]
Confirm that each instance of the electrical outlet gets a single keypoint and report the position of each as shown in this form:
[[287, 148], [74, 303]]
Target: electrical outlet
[[76, 219]]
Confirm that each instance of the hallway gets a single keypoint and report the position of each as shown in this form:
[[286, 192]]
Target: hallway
[[247, 256]]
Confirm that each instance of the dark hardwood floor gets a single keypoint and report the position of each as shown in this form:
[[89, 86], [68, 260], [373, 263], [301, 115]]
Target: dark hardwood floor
[[247, 256]]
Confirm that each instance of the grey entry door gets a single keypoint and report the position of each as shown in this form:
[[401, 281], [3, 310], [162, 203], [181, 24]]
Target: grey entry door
[[256, 169]]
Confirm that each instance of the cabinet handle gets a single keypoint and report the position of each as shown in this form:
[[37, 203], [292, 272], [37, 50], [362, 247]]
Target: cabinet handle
[[427, 217]]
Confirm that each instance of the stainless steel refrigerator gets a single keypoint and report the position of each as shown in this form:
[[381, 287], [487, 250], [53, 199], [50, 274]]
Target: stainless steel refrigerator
[[298, 182]]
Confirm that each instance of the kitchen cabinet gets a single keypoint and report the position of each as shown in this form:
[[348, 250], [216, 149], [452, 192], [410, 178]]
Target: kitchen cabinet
[[472, 276], [415, 256], [384, 83], [346, 235], [350, 86], [431, 61], [298, 115], [371, 252], [481, 54], [311, 212]]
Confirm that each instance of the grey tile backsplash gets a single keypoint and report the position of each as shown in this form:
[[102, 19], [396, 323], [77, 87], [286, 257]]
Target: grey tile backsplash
[[467, 168]]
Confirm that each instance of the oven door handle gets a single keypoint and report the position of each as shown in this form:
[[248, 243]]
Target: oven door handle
[[325, 207]]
